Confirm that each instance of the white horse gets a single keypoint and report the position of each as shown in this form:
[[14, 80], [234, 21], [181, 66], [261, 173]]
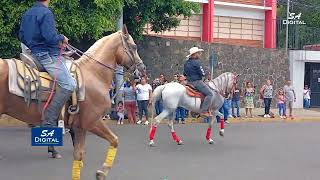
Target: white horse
[[175, 95]]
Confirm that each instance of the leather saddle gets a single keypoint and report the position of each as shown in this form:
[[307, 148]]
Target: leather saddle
[[35, 83], [191, 91]]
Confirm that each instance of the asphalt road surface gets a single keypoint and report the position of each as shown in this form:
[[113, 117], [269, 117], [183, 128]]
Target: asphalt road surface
[[249, 151]]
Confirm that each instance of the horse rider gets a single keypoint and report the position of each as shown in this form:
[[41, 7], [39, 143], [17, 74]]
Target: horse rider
[[38, 32], [194, 73]]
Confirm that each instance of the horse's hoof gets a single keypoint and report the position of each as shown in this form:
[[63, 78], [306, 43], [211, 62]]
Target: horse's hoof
[[221, 132], [211, 141], [56, 155], [180, 142], [151, 143], [100, 175]]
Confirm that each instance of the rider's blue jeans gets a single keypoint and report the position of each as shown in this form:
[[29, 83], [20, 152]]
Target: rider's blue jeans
[[50, 64]]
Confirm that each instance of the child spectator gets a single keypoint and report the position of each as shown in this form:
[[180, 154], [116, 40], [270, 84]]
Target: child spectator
[[281, 105], [120, 112], [248, 98]]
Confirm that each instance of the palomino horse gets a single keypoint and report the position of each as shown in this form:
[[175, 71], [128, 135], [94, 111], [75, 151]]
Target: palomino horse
[[97, 66], [174, 95]]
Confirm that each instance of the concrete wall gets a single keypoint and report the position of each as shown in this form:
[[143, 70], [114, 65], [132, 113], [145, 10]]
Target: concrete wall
[[252, 64]]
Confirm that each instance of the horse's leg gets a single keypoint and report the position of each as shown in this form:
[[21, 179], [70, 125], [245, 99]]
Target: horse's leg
[[78, 152], [210, 126], [173, 133], [71, 132], [221, 132], [101, 130], [54, 153], [155, 124]]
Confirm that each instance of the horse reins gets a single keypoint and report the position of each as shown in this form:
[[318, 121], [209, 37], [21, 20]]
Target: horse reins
[[126, 49]]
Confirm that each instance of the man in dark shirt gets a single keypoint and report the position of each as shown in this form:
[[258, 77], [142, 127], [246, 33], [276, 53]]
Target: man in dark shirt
[[194, 73], [38, 32]]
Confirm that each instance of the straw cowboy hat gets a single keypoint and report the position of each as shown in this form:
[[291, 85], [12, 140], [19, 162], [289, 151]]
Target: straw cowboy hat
[[194, 50]]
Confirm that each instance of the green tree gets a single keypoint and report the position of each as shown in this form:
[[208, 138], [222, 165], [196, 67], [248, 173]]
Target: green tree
[[89, 20], [77, 19]]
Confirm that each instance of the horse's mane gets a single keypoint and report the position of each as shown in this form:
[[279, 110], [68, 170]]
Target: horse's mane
[[97, 45], [221, 82]]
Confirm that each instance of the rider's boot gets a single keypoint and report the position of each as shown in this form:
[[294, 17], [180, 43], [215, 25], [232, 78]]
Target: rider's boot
[[52, 113], [205, 106]]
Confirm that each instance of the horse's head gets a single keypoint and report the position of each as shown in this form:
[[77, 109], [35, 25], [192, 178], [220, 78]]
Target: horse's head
[[225, 83], [127, 54], [232, 82]]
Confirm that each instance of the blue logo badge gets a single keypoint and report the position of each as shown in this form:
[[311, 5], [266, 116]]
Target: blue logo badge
[[45, 136]]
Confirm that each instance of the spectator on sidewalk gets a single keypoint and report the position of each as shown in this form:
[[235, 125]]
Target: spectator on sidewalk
[[158, 82], [281, 103], [130, 99], [120, 112], [248, 98], [224, 110], [175, 78], [144, 99], [180, 111], [236, 95], [306, 97], [290, 96], [266, 92]]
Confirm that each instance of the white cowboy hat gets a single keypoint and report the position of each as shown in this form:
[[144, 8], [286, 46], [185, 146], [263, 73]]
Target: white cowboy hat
[[194, 50]]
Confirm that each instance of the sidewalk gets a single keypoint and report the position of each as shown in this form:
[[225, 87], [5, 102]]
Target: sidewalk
[[300, 115]]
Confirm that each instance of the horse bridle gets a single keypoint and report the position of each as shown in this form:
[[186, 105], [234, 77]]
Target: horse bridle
[[128, 50]]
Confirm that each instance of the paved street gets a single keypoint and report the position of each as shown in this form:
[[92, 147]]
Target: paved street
[[250, 151]]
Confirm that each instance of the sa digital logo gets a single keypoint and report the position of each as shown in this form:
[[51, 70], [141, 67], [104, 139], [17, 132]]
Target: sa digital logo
[[44, 136], [294, 18]]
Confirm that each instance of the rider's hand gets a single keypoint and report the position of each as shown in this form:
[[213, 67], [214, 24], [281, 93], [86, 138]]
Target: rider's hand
[[65, 40], [64, 43]]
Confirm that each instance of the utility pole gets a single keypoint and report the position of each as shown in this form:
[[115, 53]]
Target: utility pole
[[119, 76], [287, 27]]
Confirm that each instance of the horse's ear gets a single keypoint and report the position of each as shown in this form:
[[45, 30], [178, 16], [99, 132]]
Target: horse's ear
[[125, 30]]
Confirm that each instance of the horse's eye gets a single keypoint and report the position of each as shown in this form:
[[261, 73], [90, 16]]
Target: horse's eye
[[134, 47]]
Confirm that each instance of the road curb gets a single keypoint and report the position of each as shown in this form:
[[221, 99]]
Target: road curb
[[10, 122]]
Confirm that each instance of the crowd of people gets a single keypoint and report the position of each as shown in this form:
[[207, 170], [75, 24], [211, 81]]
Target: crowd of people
[[137, 99]]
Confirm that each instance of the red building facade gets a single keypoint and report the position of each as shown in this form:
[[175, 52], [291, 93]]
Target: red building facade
[[237, 22]]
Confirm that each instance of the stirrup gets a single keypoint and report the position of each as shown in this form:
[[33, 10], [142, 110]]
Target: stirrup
[[73, 109]]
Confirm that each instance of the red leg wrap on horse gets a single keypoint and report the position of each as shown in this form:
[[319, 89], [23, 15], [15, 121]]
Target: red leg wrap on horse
[[175, 137], [152, 132], [208, 133], [222, 124]]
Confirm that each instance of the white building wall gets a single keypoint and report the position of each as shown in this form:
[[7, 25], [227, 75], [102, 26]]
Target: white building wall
[[239, 12], [298, 58]]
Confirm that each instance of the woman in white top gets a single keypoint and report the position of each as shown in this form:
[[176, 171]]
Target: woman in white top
[[144, 97], [306, 97]]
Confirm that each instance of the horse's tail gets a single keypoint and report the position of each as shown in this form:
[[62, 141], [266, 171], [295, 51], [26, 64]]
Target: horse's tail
[[156, 95]]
